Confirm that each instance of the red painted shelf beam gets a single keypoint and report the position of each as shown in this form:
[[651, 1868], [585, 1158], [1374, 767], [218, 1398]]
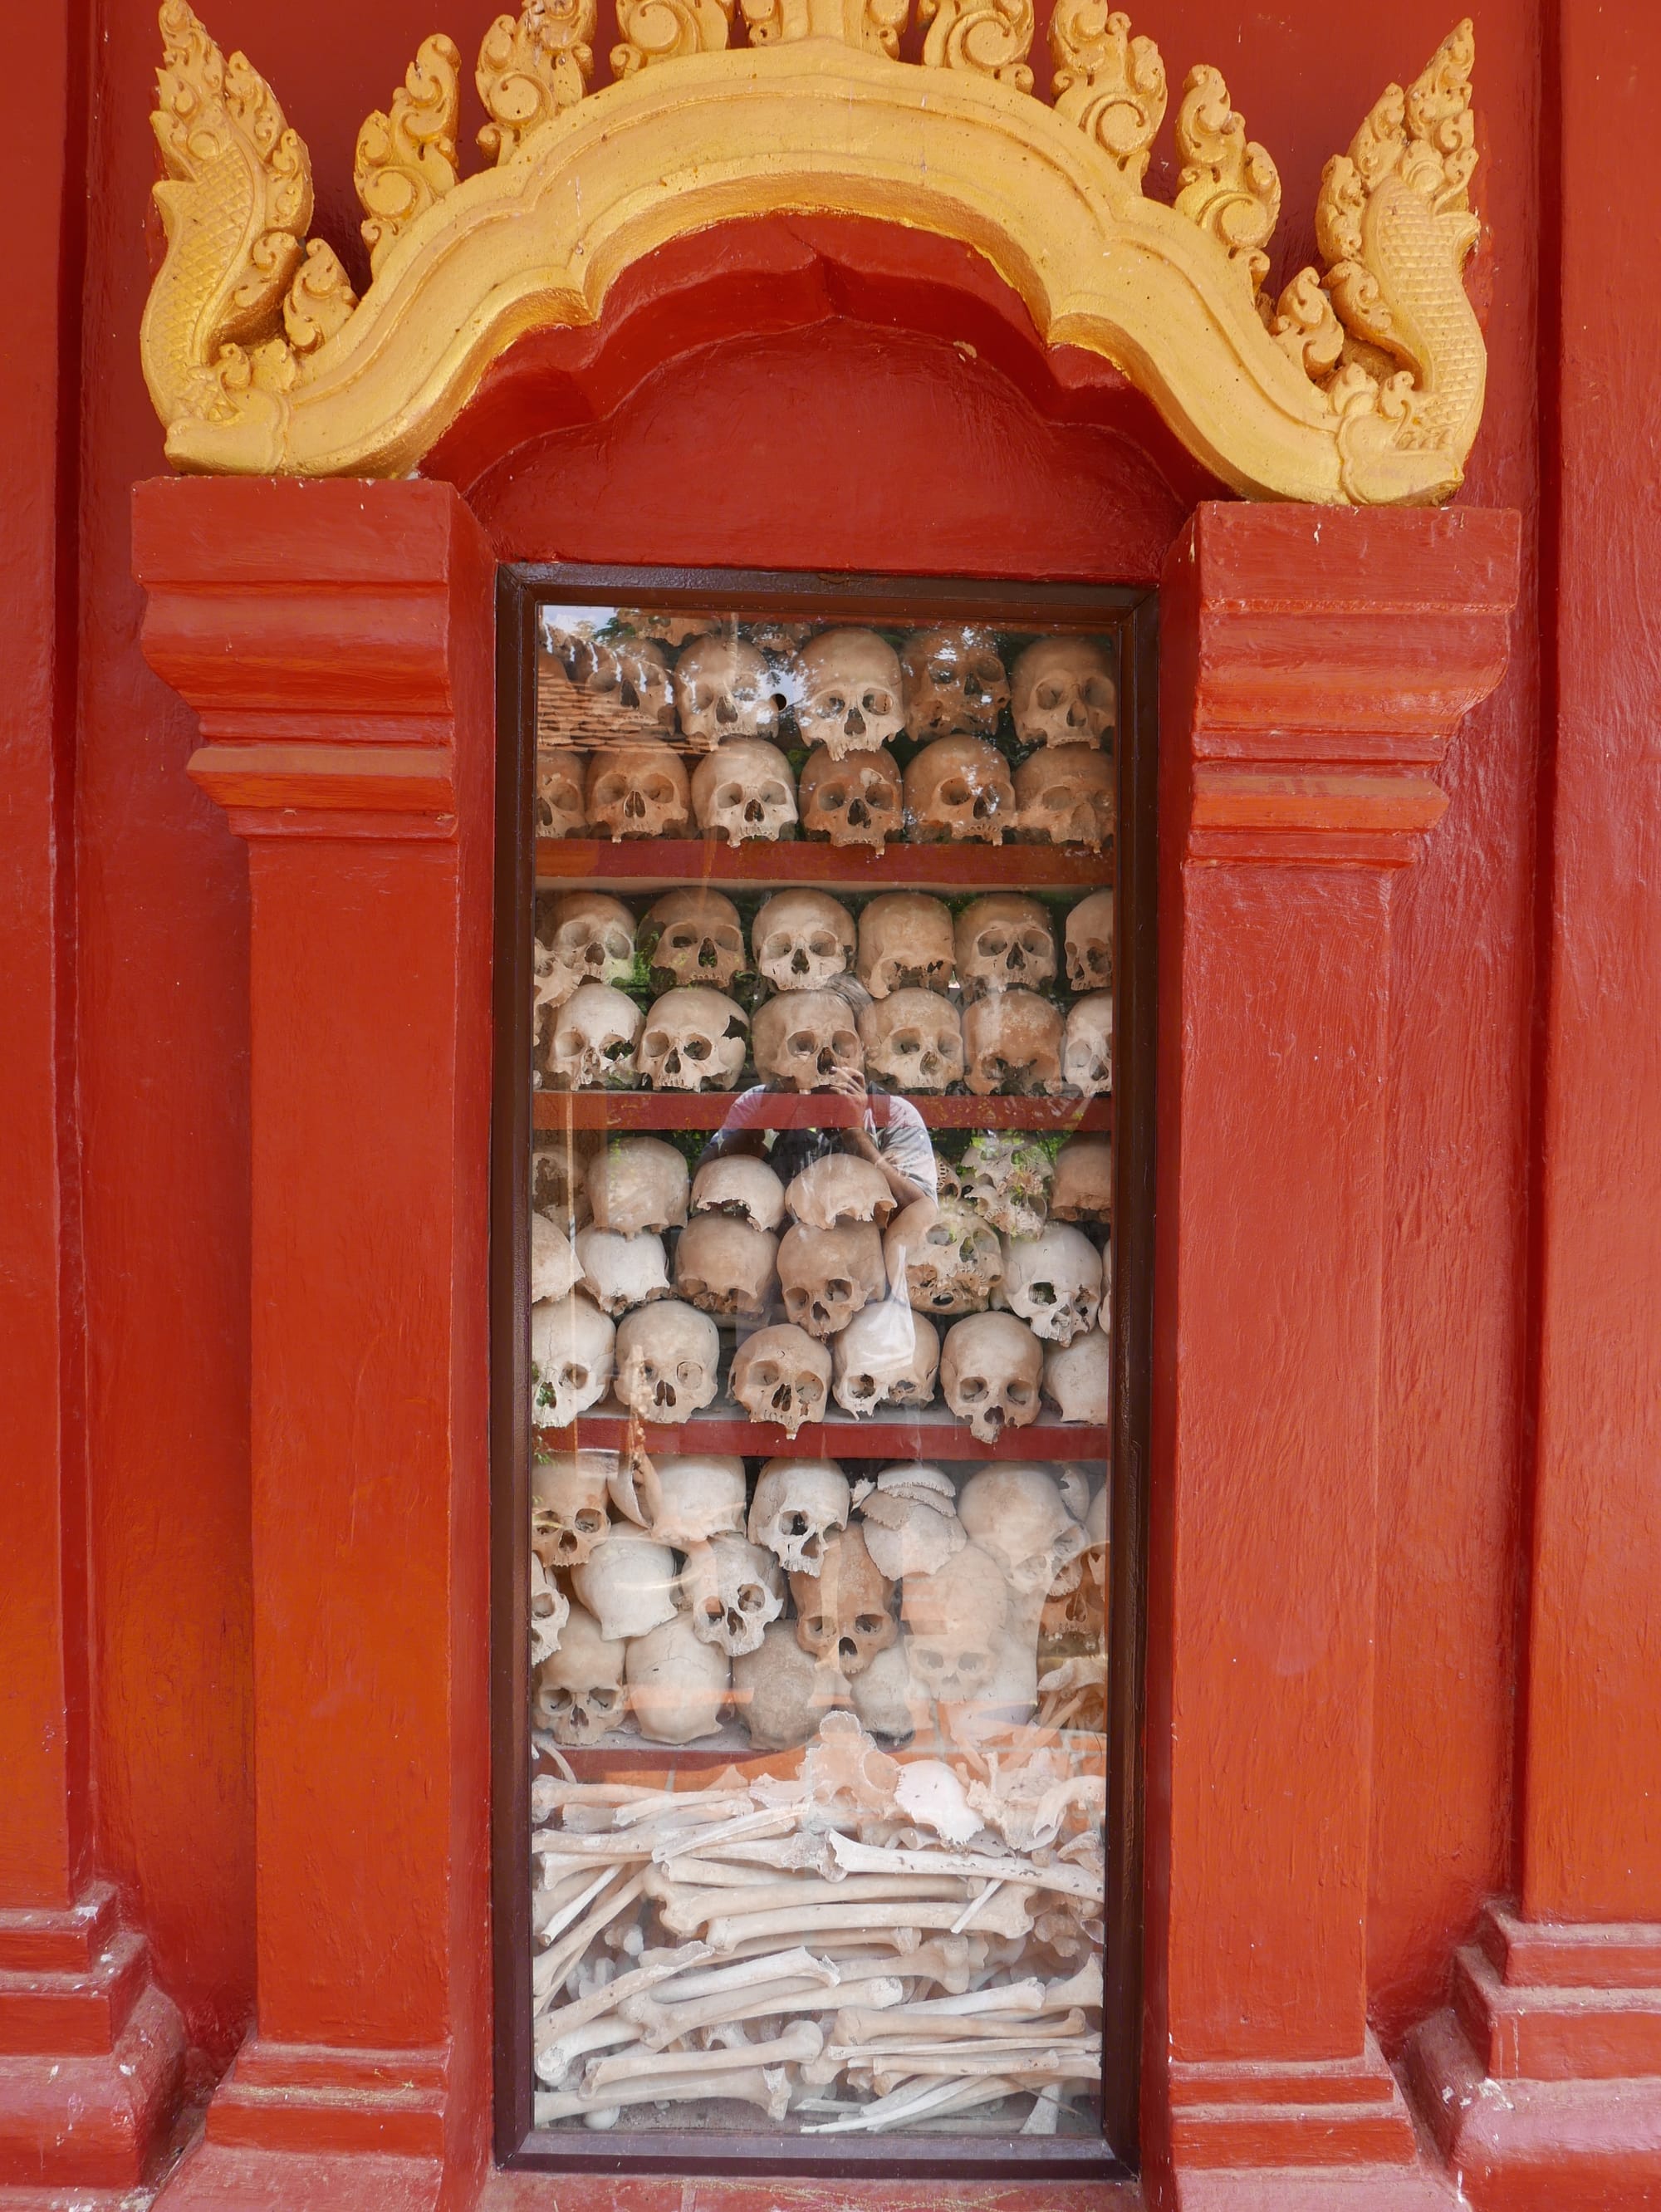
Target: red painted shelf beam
[[619, 1110], [924, 1437], [655, 863]]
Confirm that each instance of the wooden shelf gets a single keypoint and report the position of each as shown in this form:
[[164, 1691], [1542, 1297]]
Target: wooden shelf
[[622, 1110], [935, 1435], [656, 863]]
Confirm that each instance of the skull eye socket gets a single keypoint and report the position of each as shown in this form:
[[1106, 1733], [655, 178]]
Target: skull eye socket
[[845, 1044], [1099, 692], [942, 675], [700, 698], [870, 1624], [794, 1524], [1048, 695], [814, 1626], [993, 944], [974, 1388], [830, 705], [956, 791], [876, 700], [574, 1377], [932, 1661], [1019, 1392], [823, 944], [802, 1043], [658, 789], [609, 791], [751, 1597], [834, 796], [588, 1522], [773, 794]]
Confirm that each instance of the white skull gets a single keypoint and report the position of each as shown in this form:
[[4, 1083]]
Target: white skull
[[1090, 944], [955, 1616], [781, 1374], [569, 1515], [620, 1272], [724, 689], [699, 1499], [839, 1189], [798, 1504], [638, 790], [911, 1521], [1017, 1515], [1083, 1187], [1012, 1042], [550, 1610], [950, 1258], [555, 1270], [958, 790], [1007, 1182], [954, 683], [1069, 797], [885, 1697], [627, 1583], [1063, 693], [828, 1274], [913, 1040], [731, 1589], [885, 1356], [676, 1686], [854, 801], [695, 936], [743, 789], [580, 1692], [667, 1361], [741, 1187], [804, 1038], [990, 1371], [801, 939], [637, 1184], [847, 688], [1004, 942], [1087, 1059], [725, 1267], [559, 793], [843, 1612], [693, 1040], [1078, 1379], [1053, 1282], [591, 939], [595, 1033], [572, 1347], [904, 944], [780, 1691]]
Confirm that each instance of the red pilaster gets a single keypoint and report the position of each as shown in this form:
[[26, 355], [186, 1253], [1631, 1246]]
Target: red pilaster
[[1314, 665], [337, 640]]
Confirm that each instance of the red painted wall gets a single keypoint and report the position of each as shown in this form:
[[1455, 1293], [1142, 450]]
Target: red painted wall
[[742, 452]]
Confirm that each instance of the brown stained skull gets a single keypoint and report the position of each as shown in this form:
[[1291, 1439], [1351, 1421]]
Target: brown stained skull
[[854, 801], [913, 1040], [806, 1039], [724, 1267], [1003, 942], [1068, 796], [580, 1693], [958, 790], [1083, 1189], [887, 1355], [695, 936], [724, 689], [847, 691], [781, 1375], [743, 791], [991, 1373], [838, 1189], [1012, 1043], [950, 1259], [799, 1504], [844, 1614], [1063, 693], [626, 679], [569, 1515], [559, 794], [638, 790], [956, 683], [593, 937], [1087, 1048], [904, 944], [1090, 944], [595, 1033], [802, 939], [828, 1274]]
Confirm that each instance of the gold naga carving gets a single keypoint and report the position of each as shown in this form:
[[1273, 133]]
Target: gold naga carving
[[1360, 381]]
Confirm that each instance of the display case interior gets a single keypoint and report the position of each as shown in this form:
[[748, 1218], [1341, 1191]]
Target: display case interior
[[812, 1325]]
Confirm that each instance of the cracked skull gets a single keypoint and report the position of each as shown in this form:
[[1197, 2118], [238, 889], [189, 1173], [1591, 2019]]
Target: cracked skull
[[627, 1583], [1003, 942], [693, 1040], [636, 1184], [957, 790], [955, 1616], [1017, 1515], [828, 1274], [620, 1272], [695, 936], [913, 1040], [568, 1514], [731, 1589], [743, 790], [595, 1033], [1012, 1042], [667, 1355], [844, 1614], [1083, 1189], [904, 944], [550, 1609], [781, 1374], [804, 1039], [887, 1356], [801, 939], [1087, 1052], [580, 1691], [724, 689], [955, 685], [798, 1503], [1007, 1182], [1052, 1282], [1090, 944], [950, 1258], [1069, 797], [559, 793], [572, 1351], [847, 692], [1063, 693], [699, 1499], [741, 1187], [638, 790], [990, 1370], [839, 1189], [624, 683], [677, 1685], [593, 938], [725, 1267], [854, 801], [1078, 1379]]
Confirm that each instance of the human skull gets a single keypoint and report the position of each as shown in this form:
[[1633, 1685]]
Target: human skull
[[911, 1521], [1078, 1379], [1087, 1059], [828, 1274], [568, 1514], [695, 936], [990, 1371], [725, 1267], [955, 685], [1090, 944], [885, 1697], [677, 1685], [693, 1040], [950, 1260], [559, 793], [724, 689], [798, 1504], [1063, 693], [854, 801], [958, 789], [595, 1034], [741, 1187], [731, 1588], [1083, 1189], [1003, 942], [549, 1611], [638, 790], [839, 1189], [887, 1355], [591, 939], [802, 939], [781, 1374], [904, 944], [637, 1184], [955, 1616], [555, 1270], [780, 1691], [1012, 1041], [620, 1272], [572, 1351], [627, 1583], [805, 1038], [1069, 797], [743, 789], [699, 1499], [558, 1166], [668, 1357], [1017, 1515], [580, 1692], [913, 1040], [1006, 1180], [843, 1612], [1053, 1282], [847, 688], [624, 683]]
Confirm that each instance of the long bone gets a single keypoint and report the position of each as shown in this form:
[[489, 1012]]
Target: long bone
[[1083, 1988], [664, 2024], [969, 1866], [659, 1967], [683, 1906], [805, 1851], [797, 2043], [562, 1919], [1006, 1916], [551, 1969], [560, 1843], [950, 1962], [857, 2023], [555, 2057], [1025, 1997], [1035, 2066], [688, 1805], [774, 1822], [904, 2037], [797, 1965], [769, 2089], [894, 2110]]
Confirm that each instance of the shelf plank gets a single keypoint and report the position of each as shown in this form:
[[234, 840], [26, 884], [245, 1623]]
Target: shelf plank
[[623, 1110], [932, 1435], [657, 863]]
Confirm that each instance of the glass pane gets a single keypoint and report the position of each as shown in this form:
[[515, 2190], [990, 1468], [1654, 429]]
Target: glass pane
[[819, 1374]]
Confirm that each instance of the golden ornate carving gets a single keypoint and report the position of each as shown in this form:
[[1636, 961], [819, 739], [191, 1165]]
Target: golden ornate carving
[[992, 37], [1229, 186], [1363, 386], [1111, 84], [407, 159], [530, 68]]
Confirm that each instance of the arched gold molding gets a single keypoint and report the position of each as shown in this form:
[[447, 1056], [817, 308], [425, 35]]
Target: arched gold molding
[[1364, 385]]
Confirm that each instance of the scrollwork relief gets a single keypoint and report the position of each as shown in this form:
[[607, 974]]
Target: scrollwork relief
[[1109, 83], [531, 67], [667, 30], [406, 157], [1229, 186], [991, 37]]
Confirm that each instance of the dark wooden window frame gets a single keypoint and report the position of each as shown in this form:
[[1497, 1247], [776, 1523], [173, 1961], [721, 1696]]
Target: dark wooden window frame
[[1132, 615]]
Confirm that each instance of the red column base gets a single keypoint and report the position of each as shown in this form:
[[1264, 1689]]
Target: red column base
[[1541, 2084], [92, 2054]]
